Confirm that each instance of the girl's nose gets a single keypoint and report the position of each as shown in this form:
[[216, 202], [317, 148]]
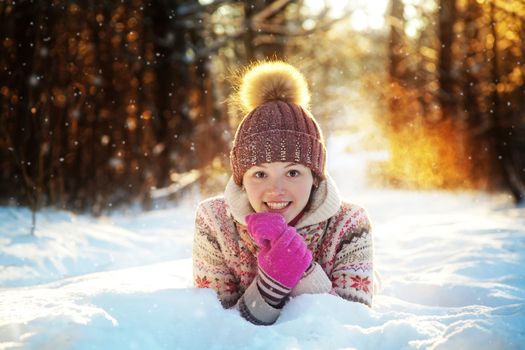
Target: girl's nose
[[276, 186]]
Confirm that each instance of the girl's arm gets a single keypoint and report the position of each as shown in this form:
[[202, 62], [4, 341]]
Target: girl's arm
[[211, 271], [352, 274], [209, 268]]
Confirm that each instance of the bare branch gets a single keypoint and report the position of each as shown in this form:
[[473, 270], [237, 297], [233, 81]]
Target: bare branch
[[196, 8], [271, 10]]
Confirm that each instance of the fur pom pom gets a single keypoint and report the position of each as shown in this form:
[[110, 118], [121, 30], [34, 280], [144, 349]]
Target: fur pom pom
[[270, 81]]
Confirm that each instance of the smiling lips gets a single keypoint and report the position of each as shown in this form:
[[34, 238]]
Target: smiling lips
[[277, 205]]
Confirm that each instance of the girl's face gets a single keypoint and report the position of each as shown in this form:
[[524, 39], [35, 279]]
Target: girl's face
[[278, 187]]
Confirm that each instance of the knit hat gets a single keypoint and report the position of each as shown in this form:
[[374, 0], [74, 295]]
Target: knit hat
[[278, 126]]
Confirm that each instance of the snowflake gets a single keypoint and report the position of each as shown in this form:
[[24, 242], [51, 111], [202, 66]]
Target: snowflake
[[202, 282], [360, 283]]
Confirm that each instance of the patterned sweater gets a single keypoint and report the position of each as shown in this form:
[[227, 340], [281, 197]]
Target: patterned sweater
[[337, 233]]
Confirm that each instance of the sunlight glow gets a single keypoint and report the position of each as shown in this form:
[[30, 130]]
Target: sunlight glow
[[365, 15], [413, 16], [359, 20], [420, 158]]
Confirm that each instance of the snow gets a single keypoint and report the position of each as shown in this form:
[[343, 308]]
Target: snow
[[452, 268]]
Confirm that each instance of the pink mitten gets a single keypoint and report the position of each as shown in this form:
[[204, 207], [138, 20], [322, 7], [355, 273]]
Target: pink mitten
[[286, 258], [265, 227]]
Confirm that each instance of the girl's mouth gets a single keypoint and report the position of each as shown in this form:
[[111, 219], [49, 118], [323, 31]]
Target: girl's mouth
[[277, 206]]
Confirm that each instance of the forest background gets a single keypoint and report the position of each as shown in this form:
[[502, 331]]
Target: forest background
[[107, 104]]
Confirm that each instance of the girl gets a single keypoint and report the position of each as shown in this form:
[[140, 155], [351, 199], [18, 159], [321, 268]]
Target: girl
[[281, 229]]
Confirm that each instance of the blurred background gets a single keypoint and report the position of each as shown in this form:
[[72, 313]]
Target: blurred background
[[106, 104]]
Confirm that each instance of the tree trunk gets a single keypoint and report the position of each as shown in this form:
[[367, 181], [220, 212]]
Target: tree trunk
[[447, 93], [396, 47], [502, 126], [264, 41]]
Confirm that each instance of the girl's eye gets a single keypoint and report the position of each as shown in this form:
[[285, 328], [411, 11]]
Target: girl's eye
[[259, 174], [293, 173]]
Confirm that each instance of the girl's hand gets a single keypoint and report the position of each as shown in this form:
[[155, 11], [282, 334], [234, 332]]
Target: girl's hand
[[286, 259], [265, 227]]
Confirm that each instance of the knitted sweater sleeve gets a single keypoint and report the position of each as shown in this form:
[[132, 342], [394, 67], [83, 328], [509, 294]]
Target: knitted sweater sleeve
[[352, 274], [209, 267], [210, 270]]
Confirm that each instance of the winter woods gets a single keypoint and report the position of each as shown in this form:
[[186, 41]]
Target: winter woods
[[104, 102], [457, 94]]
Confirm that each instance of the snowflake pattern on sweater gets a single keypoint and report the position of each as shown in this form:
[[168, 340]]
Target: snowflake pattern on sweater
[[224, 254]]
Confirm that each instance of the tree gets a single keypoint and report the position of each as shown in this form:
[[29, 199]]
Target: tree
[[447, 78], [101, 102]]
